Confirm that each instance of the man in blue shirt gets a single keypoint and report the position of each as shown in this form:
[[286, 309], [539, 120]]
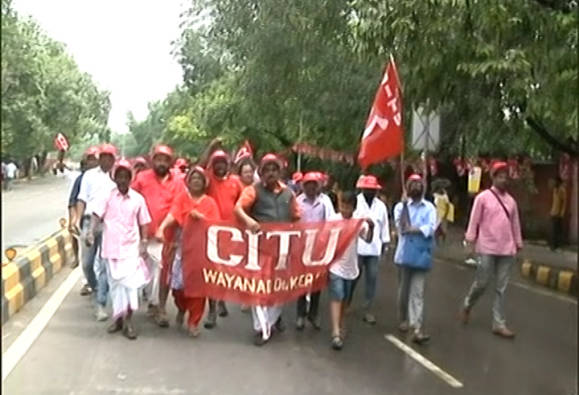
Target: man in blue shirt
[[89, 161], [415, 220]]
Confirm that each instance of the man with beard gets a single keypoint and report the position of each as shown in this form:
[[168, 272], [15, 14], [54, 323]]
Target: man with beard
[[369, 253], [415, 220], [225, 188], [95, 184], [267, 201], [159, 188]]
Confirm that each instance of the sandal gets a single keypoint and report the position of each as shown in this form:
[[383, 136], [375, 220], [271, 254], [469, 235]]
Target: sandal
[[337, 343], [115, 326], [161, 319], [129, 332]]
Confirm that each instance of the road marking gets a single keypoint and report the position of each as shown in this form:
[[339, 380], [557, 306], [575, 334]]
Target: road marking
[[22, 344], [424, 362], [530, 288], [545, 292]]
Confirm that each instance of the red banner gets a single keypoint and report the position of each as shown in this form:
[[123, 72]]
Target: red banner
[[283, 261], [61, 142]]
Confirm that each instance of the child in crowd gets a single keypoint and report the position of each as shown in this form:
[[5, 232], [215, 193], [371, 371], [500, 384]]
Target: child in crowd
[[345, 270]]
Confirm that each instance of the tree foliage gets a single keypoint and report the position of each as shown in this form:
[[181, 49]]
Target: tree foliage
[[501, 70], [43, 91], [503, 74]]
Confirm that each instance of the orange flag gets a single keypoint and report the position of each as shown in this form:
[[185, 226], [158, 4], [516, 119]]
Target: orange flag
[[383, 136]]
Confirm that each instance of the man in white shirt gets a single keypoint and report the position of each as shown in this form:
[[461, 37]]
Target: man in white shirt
[[11, 173], [369, 253], [96, 184]]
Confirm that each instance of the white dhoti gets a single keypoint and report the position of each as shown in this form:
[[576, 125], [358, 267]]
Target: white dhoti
[[264, 317], [125, 278], [155, 252]]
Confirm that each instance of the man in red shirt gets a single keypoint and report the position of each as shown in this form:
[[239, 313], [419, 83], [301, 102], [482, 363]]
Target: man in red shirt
[[159, 187], [225, 188]]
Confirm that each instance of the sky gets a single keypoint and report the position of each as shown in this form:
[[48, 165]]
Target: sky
[[124, 44]]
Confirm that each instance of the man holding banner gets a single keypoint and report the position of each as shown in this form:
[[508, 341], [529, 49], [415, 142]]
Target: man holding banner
[[267, 201]]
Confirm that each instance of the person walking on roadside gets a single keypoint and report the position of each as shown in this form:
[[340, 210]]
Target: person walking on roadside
[[159, 186], [370, 253], [11, 173], [444, 209], [313, 208], [89, 161], [495, 231], [267, 201], [415, 220], [225, 188], [558, 207], [95, 184], [192, 203], [124, 215]]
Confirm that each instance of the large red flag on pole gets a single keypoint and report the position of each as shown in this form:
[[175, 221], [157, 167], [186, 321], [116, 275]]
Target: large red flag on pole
[[383, 136]]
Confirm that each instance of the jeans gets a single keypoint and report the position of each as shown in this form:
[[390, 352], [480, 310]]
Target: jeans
[[369, 266], [90, 254], [411, 296], [501, 266], [303, 305], [100, 267]]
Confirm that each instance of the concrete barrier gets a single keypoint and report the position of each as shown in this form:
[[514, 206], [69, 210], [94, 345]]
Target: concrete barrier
[[31, 270], [562, 280]]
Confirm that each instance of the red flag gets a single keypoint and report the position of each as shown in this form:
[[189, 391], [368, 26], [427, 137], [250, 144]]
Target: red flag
[[383, 136], [61, 142], [244, 152]]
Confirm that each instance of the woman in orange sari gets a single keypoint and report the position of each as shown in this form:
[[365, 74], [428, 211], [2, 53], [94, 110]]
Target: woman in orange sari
[[195, 203]]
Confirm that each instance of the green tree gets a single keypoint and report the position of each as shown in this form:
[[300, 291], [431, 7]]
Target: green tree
[[505, 72]]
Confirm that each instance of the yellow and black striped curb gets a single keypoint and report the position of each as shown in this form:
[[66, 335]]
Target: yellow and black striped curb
[[562, 280], [32, 269]]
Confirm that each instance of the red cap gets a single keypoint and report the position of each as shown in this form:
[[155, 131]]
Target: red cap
[[415, 177], [162, 149], [197, 169], [297, 176], [123, 164], [107, 148], [92, 151], [368, 182], [498, 166], [140, 160], [219, 154], [181, 162], [270, 158], [312, 176]]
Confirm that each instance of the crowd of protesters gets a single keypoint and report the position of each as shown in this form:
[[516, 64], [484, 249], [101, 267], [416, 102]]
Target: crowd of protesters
[[129, 217]]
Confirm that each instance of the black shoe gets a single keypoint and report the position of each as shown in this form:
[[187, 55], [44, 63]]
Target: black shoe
[[258, 339], [222, 309], [279, 325], [315, 321], [300, 323], [211, 321]]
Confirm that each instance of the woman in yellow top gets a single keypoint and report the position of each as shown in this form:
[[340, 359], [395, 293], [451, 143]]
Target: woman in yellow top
[[444, 208]]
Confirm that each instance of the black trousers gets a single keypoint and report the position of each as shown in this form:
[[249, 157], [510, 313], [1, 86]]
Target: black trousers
[[303, 305], [556, 232]]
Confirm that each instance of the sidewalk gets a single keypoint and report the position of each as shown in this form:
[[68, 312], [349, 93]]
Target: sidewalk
[[553, 269], [453, 250]]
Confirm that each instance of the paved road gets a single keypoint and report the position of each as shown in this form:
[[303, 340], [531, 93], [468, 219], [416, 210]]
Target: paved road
[[74, 354], [30, 211]]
